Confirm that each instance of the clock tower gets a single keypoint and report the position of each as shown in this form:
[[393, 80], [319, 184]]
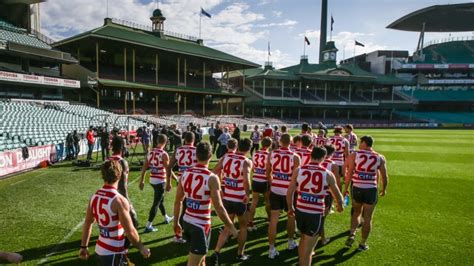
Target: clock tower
[[329, 53]]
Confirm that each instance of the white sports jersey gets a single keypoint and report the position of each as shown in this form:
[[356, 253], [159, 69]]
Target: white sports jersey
[[312, 188], [232, 171], [260, 166], [157, 169], [367, 164], [352, 138], [340, 144], [282, 162], [111, 239], [195, 184], [185, 157]]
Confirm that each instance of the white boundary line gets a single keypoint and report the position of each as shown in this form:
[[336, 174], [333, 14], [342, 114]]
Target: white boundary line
[[66, 238], [18, 182]]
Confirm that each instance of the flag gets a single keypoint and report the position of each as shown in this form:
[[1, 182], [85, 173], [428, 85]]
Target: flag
[[359, 44], [269, 49], [332, 23], [306, 40], [203, 12]]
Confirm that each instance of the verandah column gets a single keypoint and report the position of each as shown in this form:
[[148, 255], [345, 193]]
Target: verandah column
[[204, 105], [125, 102], [133, 102], [125, 64], [133, 68], [157, 99], [97, 59]]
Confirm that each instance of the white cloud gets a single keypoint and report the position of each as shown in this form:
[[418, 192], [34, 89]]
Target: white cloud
[[287, 23], [277, 13]]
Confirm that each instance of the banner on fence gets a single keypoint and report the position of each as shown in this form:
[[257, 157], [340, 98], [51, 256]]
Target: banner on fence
[[12, 161]]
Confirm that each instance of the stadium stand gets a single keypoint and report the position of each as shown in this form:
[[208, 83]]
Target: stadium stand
[[11, 33], [461, 95], [440, 117]]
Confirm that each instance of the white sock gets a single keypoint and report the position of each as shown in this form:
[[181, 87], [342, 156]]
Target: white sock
[[148, 224]]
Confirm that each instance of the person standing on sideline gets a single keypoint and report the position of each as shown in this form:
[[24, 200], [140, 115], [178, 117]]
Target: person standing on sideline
[[76, 140], [255, 136], [223, 139], [236, 133], [212, 134], [217, 132], [90, 142], [157, 160]]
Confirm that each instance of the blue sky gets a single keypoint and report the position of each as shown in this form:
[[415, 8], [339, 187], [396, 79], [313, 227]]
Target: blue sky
[[243, 28]]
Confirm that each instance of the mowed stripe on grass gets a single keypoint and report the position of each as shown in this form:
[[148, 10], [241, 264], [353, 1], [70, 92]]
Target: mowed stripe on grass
[[426, 215]]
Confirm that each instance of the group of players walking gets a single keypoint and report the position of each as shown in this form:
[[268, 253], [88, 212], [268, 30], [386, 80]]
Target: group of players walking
[[300, 175]]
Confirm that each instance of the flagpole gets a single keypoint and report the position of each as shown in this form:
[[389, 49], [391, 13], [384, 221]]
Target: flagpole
[[304, 47], [200, 18]]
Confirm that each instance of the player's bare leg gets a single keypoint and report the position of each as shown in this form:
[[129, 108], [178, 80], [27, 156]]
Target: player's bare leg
[[272, 228], [355, 221], [367, 227], [196, 260], [305, 249], [253, 208], [325, 240], [291, 228], [242, 234], [223, 237], [266, 197]]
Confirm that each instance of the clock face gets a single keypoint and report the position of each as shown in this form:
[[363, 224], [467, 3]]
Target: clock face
[[332, 56], [326, 56]]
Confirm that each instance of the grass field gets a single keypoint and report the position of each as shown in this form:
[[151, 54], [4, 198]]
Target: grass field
[[427, 217]]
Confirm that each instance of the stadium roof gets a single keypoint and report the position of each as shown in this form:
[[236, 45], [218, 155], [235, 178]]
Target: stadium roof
[[114, 31], [27, 2], [438, 18]]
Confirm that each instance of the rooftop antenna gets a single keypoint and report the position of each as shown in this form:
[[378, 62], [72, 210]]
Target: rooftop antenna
[[107, 8]]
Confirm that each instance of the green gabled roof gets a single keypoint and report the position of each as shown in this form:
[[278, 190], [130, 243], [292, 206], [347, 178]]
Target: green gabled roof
[[274, 74], [169, 88], [305, 67], [247, 72], [150, 39]]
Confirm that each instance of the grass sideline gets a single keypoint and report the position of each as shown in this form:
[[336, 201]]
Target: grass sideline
[[426, 217]]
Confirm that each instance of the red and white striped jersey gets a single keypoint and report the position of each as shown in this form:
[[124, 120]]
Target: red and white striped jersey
[[352, 138], [340, 145], [232, 172], [185, 158], [282, 162], [111, 239], [367, 164], [157, 169], [260, 159], [305, 155], [195, 184], [293, 147], [320, 141], [328, 163], [312, 188]]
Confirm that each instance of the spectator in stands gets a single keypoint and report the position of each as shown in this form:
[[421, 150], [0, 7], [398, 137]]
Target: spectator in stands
[[104, 142], [236, 133], [90, 142], [223, 139], [268, 131], [76, 139], [212, 136], [218, 132]]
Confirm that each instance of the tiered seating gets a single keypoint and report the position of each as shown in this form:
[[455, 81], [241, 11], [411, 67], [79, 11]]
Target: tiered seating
[[38, 123], [450, 52], [442, 95], [10, 33]]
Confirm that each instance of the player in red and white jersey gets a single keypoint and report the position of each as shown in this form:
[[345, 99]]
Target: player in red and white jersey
[[364, 167], [112, 213], [200, 188], [342, 148], [236, 176], [320, 140], [311, 183], [351, 137], [305, 151], [276, 137], [231, 149], [295, 143], [184, 157], [329, 164], [260, 183], [157, 161], [280, 167]]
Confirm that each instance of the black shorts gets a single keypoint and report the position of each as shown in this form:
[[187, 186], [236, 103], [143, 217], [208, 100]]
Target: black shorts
[[278, 202], [260, 187], [365, 195], [236, 208], [197, 237], [309, 224], [113, 260], [328, 200]]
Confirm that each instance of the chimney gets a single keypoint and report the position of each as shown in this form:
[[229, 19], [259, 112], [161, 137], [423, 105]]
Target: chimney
[[324, 26]]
